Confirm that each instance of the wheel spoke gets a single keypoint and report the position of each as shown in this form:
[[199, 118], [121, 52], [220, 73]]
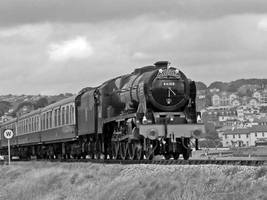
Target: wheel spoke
[[139, 151], [123, 150], [117, 148], [131, 150]]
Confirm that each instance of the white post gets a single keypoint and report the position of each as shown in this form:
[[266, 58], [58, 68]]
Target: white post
[[8, 143], [8, 134]]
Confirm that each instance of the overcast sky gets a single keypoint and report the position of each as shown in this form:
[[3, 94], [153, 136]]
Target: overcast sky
[[50, 47]]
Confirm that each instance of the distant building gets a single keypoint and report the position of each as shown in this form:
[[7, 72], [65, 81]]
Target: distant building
[[236, 102], [257, 95], [215, 99], [214, 90], [219, 115], [238, 137], [224, 99], [253, 102], [260, 121], [261, 96]]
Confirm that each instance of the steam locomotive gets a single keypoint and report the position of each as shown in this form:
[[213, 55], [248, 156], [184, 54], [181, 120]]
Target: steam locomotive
[[141, 115]]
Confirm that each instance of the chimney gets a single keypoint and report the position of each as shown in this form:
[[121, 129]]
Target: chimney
[[162, 64]]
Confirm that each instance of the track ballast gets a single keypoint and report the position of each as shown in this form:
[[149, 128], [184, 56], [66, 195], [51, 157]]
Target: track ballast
[[235, 161]]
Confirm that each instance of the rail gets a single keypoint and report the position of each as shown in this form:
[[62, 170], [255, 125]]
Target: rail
[[246, 162]]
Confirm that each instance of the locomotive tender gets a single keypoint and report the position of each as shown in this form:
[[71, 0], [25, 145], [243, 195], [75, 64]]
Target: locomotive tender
[[146, 113]]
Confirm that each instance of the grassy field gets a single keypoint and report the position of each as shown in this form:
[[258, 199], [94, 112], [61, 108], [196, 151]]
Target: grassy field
[[48, 181]]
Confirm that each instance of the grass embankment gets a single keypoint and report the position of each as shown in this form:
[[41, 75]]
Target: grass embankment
[[48, 181]]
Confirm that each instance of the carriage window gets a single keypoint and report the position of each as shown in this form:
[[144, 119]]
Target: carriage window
[[25, 124], [59, 116], [30, 124], [47, 120], [32, 120], [20, 127], [55, 117], [38, 123], [31, 127], [71, 114], [67, 114], [43, 119], [41, 122], [33, 124], [35, 129], [44, 122], [50, 119], [63, 115]]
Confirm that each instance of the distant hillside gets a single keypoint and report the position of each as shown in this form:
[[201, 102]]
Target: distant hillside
[[13, 103], [220, 85], [234, 86], [201, 86]]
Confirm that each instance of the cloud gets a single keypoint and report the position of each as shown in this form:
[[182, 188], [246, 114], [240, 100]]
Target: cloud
[[32, 11], [30, 32], [53, 57], [77, 48], [262, 24]]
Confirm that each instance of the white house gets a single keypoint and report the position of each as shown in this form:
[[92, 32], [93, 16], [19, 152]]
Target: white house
[[244, 136]]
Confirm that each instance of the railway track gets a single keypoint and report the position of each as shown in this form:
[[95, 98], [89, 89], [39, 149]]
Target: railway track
[[234, 161], [245, 161]]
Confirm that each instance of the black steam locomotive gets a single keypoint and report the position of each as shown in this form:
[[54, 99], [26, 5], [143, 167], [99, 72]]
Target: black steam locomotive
[[146, 113]]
